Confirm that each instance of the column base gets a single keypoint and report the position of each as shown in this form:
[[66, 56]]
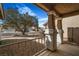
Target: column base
[[52, 50]]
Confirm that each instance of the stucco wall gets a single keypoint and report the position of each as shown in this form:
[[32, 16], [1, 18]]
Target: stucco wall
[[70, 22]]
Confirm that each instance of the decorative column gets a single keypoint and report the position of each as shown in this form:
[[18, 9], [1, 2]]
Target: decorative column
[[52, 40], [59, 27]]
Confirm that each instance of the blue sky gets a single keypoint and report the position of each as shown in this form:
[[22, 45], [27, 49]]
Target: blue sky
[[30, 8]]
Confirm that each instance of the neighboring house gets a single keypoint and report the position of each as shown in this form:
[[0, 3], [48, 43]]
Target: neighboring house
[[46, 25]]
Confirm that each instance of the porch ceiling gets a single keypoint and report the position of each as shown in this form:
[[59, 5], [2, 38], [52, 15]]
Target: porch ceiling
[[62, 9]]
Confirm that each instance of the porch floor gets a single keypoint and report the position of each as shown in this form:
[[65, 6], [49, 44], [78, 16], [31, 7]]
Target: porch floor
[[63, 50]]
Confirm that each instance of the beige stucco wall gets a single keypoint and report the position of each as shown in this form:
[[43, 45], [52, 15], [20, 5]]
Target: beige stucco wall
[[70, 22]]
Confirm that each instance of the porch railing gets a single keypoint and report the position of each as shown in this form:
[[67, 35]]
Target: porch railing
[[23, 48]]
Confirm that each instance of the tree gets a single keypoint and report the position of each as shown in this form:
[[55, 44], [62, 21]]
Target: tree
[[20, 22]]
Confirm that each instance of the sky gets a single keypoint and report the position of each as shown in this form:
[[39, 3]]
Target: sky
[[32, 9]]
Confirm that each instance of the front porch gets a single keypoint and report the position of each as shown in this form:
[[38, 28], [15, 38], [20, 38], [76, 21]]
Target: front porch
[[48, 47], [63, 50]]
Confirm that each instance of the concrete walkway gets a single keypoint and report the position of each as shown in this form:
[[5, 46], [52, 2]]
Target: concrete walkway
[[63, 50]]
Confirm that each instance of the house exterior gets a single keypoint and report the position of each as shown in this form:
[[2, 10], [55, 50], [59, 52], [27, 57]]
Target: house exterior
[[62, 25]]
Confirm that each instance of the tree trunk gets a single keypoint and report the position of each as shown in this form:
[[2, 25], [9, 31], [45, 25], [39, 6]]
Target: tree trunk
[[23, 33], [0, 42]]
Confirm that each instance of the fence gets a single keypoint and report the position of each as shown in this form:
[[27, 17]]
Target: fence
[[23, 48]]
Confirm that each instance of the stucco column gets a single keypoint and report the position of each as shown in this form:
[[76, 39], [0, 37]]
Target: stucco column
[[52, 42], [59, 27]]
